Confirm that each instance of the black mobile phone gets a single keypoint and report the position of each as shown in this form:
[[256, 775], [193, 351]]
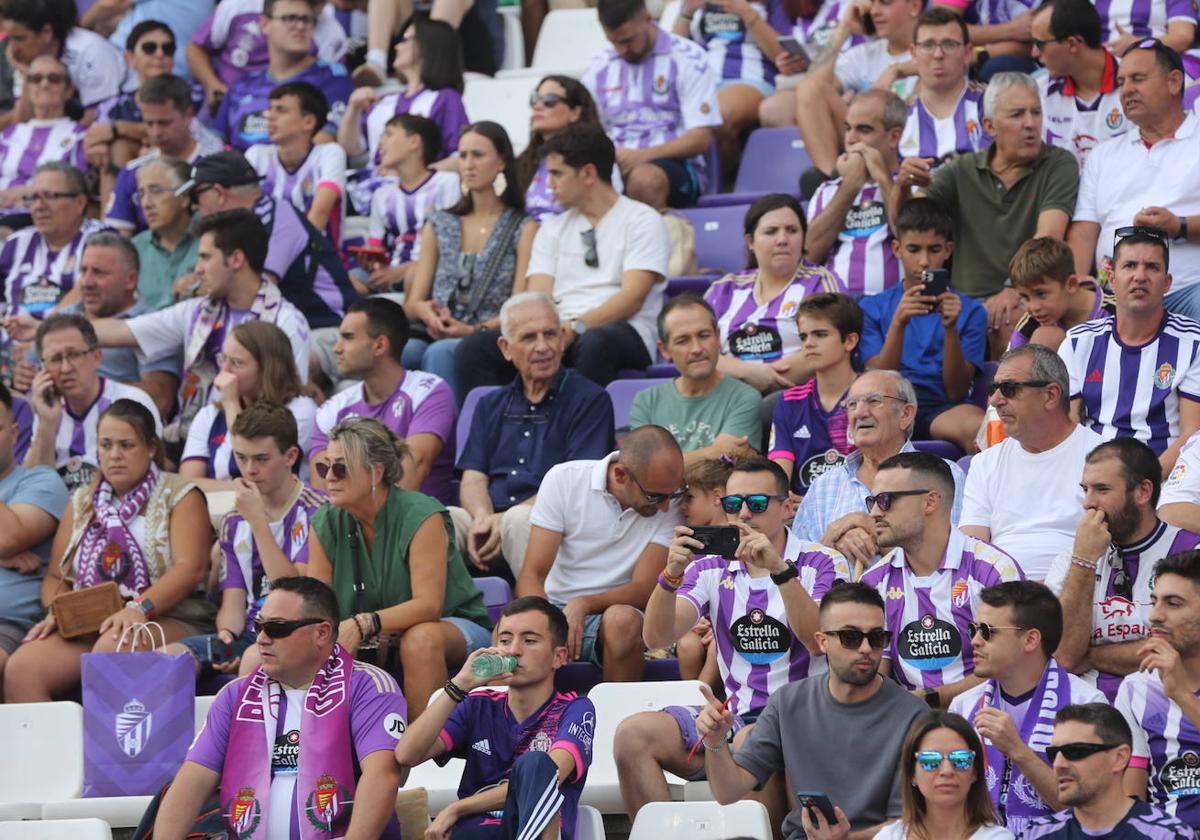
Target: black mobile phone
[[816, 801], [936, 280], [219, 652], [49, 395], [721, 540], [794, 47]]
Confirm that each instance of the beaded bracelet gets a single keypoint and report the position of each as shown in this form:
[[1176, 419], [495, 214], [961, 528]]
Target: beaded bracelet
[[1090, 565]]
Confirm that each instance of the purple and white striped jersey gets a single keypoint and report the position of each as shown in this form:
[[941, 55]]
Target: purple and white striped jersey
[[1142, 18], [36, 278], [444, 107], [928, 616], [764, 332], [815, 32], [1165, 742], [757, 651], [803, 432], [991, 12], [325, 166], [241, 567], [862, 258], [671, 91], [75, 455], [27, 145], [1143, 821], [423, 404], [732, 51], [397, 214], [1120, 618], [209, 441], [929, 137], [1134, 391], [1078, 126]]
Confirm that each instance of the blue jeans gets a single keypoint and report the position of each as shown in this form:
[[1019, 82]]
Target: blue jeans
[[433, 357], [1185, 301]]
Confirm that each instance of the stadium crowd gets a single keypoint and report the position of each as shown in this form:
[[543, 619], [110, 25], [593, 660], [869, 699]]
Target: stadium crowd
[[915, 494]]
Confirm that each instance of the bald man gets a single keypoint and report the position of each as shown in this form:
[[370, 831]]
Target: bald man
[[599, 540]]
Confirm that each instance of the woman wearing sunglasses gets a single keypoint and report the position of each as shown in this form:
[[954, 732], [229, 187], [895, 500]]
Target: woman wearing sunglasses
[[146, 530], [257, 365], [390, 556], [473, 256]]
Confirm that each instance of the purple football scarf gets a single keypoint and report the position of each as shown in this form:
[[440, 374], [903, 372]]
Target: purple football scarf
[[325, 783], [108, 550]]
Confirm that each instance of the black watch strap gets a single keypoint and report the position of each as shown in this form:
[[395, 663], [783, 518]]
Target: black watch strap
[[780, 578]]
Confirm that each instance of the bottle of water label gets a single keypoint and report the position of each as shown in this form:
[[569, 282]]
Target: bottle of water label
[[493, 665]]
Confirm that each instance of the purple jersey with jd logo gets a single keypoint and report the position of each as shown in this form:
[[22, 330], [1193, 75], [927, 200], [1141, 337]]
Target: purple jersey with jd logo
[[803, 432]]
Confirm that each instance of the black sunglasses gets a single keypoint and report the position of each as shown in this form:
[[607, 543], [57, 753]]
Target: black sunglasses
[[852, 638], [1077, 751], [1122, 584], [1008, 388], [757, 502], [337, 470], [547, 99], [151, 47], [656, 498], [591, 257], [987, 630], [887, 498], [279, 628], [1123, 233]]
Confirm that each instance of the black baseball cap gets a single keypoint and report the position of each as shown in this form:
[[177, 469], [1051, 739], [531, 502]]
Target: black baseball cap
[[229, 169]]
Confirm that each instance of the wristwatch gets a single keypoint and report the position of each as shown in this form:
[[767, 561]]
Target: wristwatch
[[1182, 235], [932, 698], [144, 604], [780, 578], [579, 327]]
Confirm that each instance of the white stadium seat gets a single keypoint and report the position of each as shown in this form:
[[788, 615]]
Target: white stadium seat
[[43, 756], [568, 38], [505, 101], [56, 830], [591, 824], [701, 821]]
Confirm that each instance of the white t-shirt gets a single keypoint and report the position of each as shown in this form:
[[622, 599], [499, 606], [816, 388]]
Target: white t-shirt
[[898, 831], [631, 236], [285, 763], [1183, 484], [601, 542], [1031, 502], [858, 67], [97, 68]]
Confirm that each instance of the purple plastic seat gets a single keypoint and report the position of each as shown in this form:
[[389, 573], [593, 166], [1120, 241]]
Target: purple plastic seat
[[622, 392], [981, 382], [964, 464], [696, 284], [772, 161], [463, 427], [941, 448], [496, 595], [720, 246]]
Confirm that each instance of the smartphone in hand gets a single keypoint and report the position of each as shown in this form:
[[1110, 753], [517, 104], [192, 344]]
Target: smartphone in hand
[[721, 540]]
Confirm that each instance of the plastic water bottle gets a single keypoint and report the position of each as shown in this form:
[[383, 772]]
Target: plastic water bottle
[[491, 665]]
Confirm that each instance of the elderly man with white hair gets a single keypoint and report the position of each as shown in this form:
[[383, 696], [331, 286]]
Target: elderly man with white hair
[[545, 416], [1017, 188]]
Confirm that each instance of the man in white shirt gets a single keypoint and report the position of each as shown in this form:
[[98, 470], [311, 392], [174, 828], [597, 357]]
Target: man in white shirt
[[599, 539], [1179, 503], [1023, 494], [603, 260]]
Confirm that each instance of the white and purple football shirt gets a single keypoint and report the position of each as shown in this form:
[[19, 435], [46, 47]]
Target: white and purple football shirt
[[928, 616], [27, 145], [1142, 18], [757, 651], [444, 107], [1134, 391], [1165, 742], [803, 432], [36, 278], [927, 136], [1079, 126], [398, 215], [209, 441], [862, 257], [423, 404], [325, 166], [732, 51]]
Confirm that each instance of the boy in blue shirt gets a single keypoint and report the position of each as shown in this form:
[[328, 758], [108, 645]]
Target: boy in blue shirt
[[937, 342]]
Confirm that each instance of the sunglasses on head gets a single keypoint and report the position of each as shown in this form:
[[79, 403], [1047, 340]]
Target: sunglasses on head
[[1008, 388], [547, 99], [1077, 751], [987, 630], [279, 628], [152, 47], [887, 498], [852, 638], [757, 502], [1123, 233], [337, 469], [931, 760]]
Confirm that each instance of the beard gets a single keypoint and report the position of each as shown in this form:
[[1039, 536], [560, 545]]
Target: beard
[[847, 673], [1124, 523]]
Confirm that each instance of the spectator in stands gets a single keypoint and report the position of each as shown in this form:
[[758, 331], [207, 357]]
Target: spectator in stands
[[848, 229], [48, 27], [603, 260], [1080, 96], [1015, 189], [68, 397], [660, 150], [167, 248], [809, 726], [599, 538], [182, 19], [414, 584], [429, 65], [31, 501], [257, 366], [1105, 579], [1179, 503], [168, 115], [710, 413], [146, 530], [819, 96], [880, 408], [265, 536], [1158, 699], [288, 26], [701, 505], [1055, 298], [938, 341], [479, 35], [1141, 332], [348, 742], [809, 423], [1171, 22], [546, 416], [295, 170], [945, 117], [48, 135], [416, 406], [931, 564], [473, 255], [533, 779], [400, 207], [557, 102], [756, 310], [1122, 186], [1092, 757], [1018, 627], [694, 585], [1023, 494]]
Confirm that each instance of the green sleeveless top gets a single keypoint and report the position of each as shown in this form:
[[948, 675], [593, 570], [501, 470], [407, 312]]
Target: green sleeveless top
[[386, 570]]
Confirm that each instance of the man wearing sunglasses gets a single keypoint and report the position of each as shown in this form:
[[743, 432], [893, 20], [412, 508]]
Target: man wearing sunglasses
[[821, 729], [762, 604], [931, 577], [1090, 751], [599, 539], [1017, 627], [1106, 579], [304, 744]]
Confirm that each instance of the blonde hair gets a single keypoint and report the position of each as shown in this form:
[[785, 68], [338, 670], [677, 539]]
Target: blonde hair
[[367, 444]]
